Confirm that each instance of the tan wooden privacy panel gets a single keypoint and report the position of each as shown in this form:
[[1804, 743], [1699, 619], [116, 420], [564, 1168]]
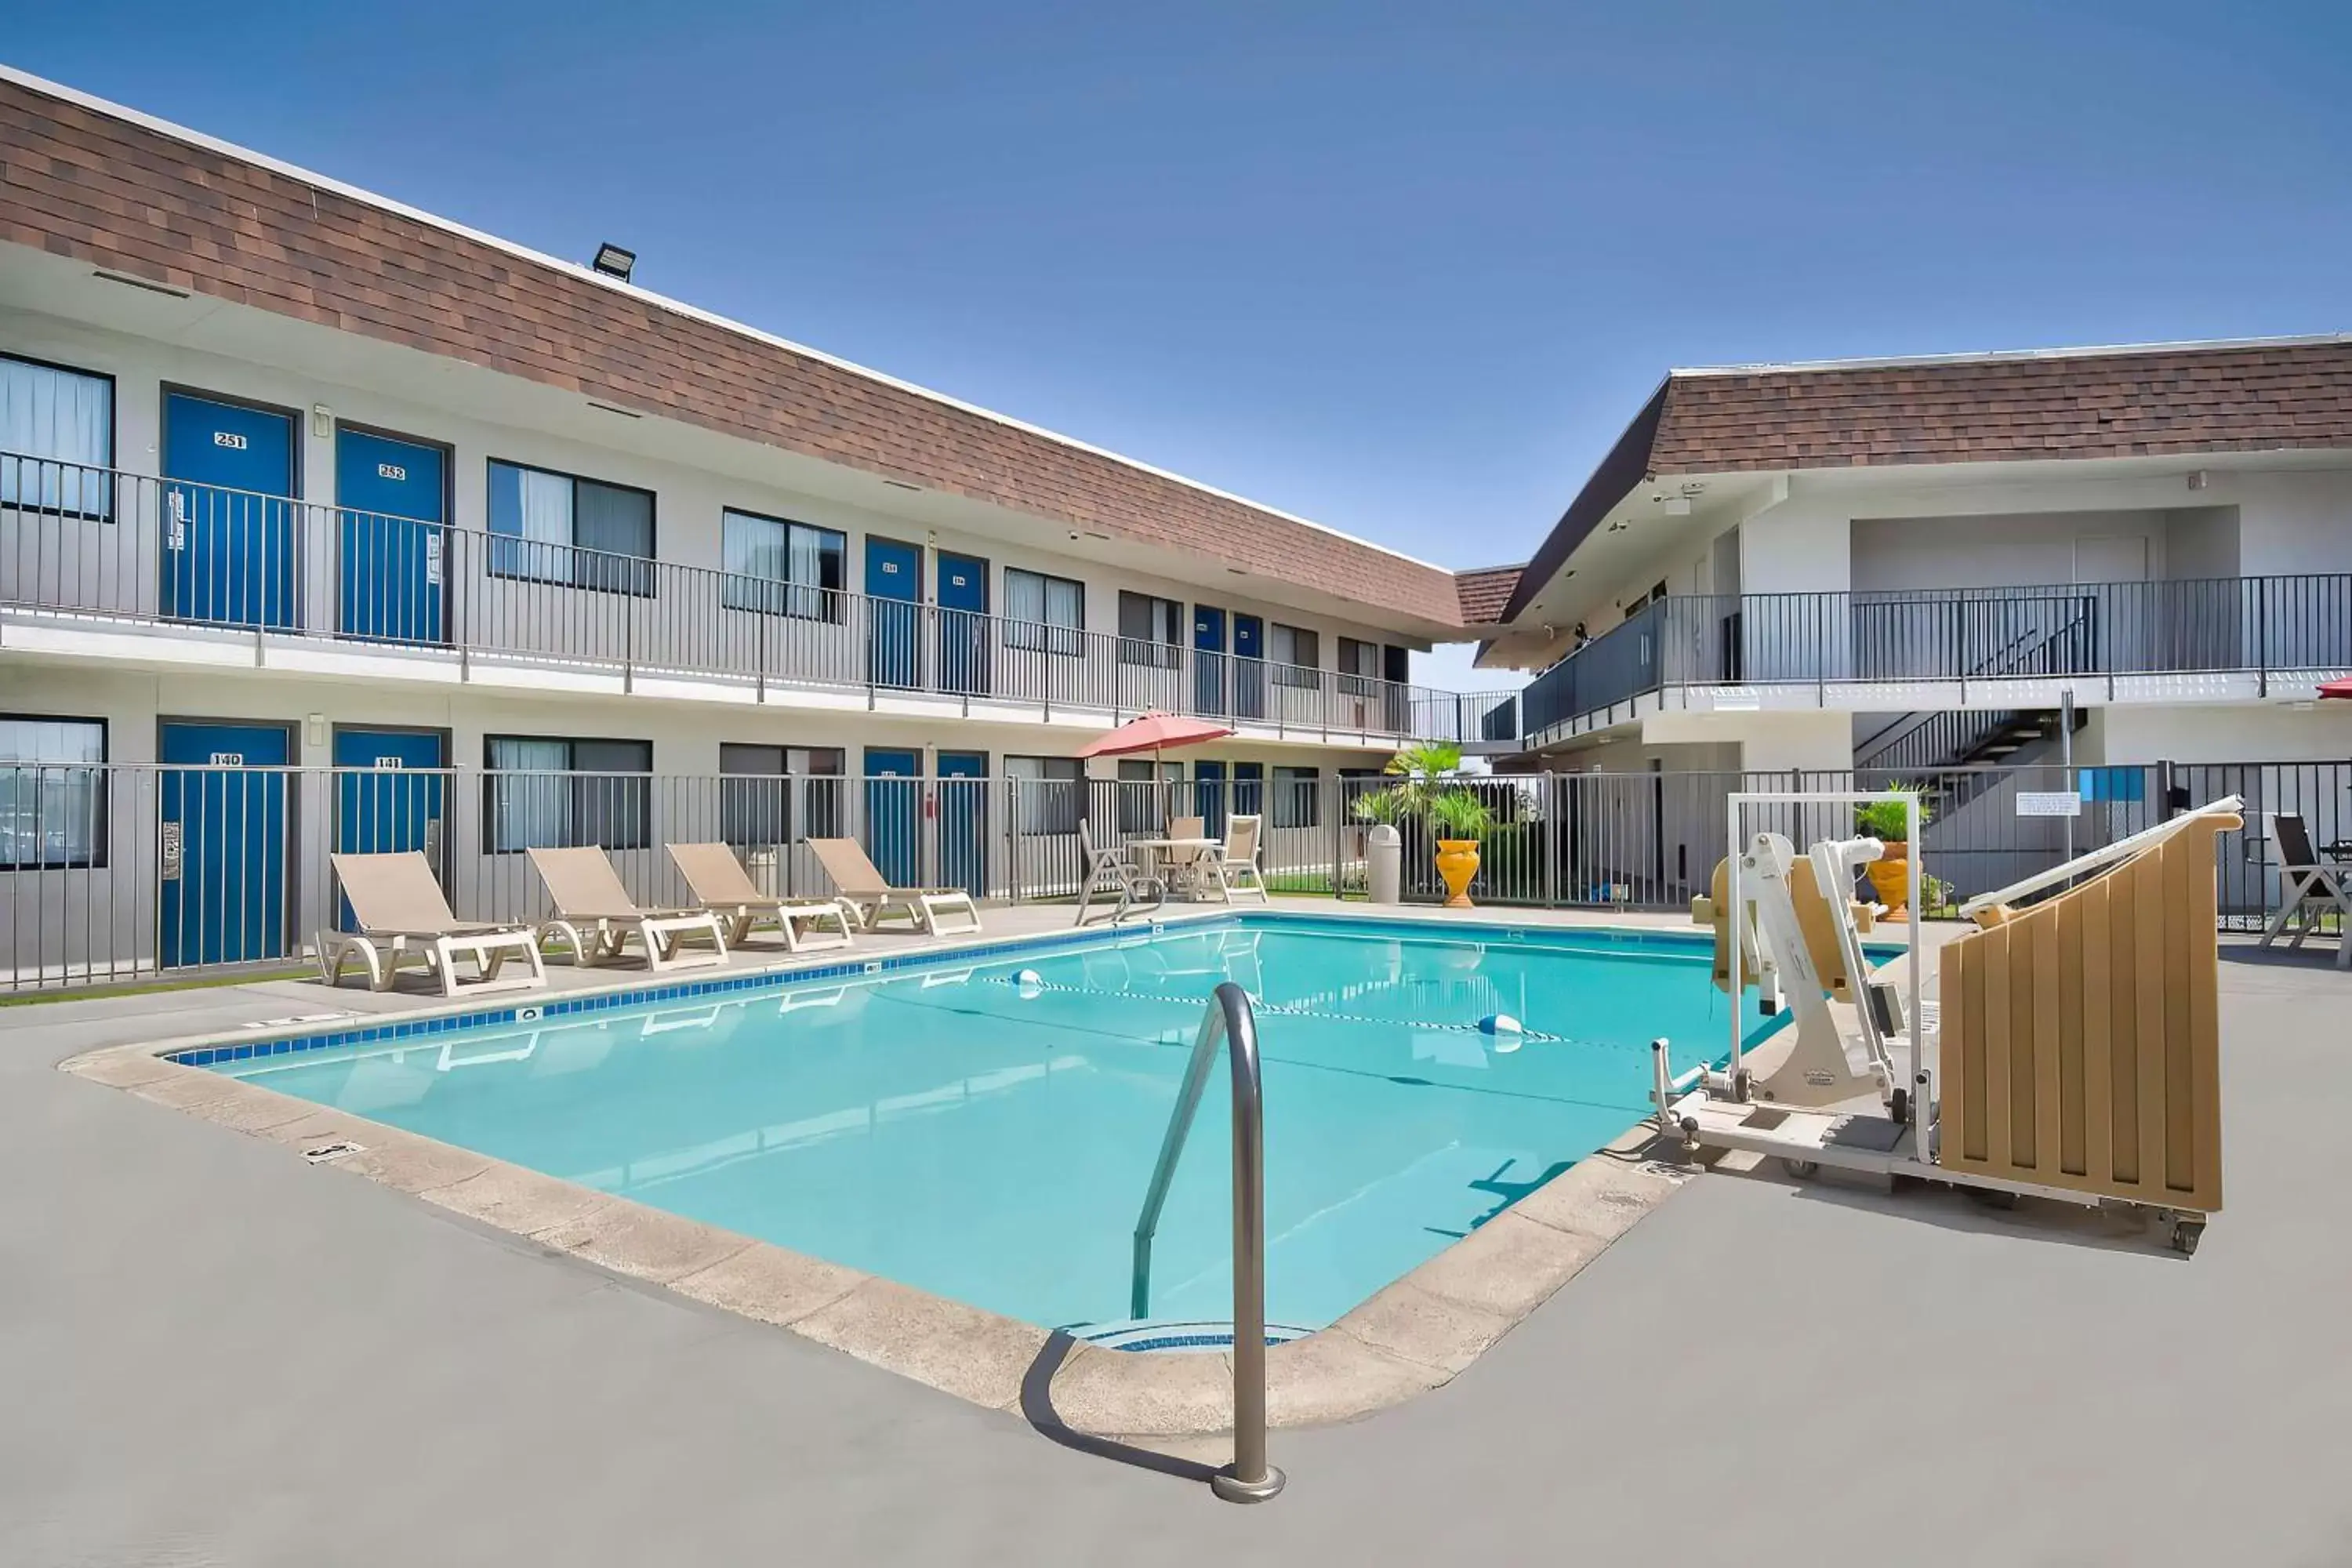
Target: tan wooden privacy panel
[[2080, 1045]]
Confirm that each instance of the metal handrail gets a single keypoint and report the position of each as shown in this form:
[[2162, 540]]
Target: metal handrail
[[1227, 1021]]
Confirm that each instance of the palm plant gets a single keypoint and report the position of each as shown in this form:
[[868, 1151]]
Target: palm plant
[[1885, 819], [1457, 813], [1426, 784]]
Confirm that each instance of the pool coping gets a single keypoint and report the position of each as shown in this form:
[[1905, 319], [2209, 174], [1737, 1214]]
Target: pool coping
[[1415, 1334]]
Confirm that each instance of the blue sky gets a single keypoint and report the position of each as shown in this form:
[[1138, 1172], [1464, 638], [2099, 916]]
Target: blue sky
[[1407, 271]]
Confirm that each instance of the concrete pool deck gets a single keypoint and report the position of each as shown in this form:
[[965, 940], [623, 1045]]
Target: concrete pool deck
[[217, 1353]]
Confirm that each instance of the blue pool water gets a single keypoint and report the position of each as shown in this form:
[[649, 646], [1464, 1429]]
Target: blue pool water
[[948, 1127]]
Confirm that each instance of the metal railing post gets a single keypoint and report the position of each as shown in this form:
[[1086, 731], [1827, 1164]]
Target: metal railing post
[[1228, 1021]]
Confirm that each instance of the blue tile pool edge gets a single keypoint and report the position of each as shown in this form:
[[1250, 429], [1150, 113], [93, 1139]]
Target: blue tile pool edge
[[218, 1050]]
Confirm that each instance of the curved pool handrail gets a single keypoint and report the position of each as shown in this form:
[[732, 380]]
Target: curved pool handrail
[[1228, 1021]]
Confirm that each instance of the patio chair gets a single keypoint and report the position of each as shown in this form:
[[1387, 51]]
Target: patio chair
[[1235, 868], [595, 913], [720, 884], [405, 918], [2308, 887], [871, 894], [1113, 869]]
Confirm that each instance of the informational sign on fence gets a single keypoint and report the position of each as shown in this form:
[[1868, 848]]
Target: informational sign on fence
[[2049, 802]]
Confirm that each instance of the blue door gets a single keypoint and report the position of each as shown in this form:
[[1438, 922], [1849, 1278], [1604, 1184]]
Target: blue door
[[1249, 790], [389, 541], [221, 862], [964, 817], [1208, 660], [893, 586], [1249, 668], [963, 624], [389, 796], [894, 813], [228, 523], [1209, 796]]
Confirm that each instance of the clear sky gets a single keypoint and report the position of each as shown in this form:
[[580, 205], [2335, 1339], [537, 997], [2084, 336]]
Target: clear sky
[[1405, 270]]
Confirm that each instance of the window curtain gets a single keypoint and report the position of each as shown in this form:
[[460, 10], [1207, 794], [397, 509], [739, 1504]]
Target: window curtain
[[611, 795], [751, 554], [618, 526], [531, 804], [531, 513], [57, 435], [805, 570], [52, 793], [1065, 610]]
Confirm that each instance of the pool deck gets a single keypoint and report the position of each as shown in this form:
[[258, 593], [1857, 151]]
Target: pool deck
[[215, 1351]]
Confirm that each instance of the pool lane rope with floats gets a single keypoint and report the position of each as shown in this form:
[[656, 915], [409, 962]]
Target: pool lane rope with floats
[[1508, 1032]]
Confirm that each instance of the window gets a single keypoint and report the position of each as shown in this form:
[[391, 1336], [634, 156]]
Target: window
[[782, 568], [1297, 654], [1297, 797], [552, 528], [555, 794], [52, 793], [1045, 614], [1142, 807], [1046, 792], [1359, 666], [1150, 630], [56, 438], [770, 788]]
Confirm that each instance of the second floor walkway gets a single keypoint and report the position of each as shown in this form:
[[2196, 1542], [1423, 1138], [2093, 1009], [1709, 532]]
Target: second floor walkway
[[2203, 639], [105, 563]]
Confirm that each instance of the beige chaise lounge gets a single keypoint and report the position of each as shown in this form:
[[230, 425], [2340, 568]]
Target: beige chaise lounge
[[596, 915], [871, 895], [405, 918], [719, 883]]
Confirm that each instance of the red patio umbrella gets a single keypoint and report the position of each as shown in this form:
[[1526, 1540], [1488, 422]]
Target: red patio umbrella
[[1154, 730], [1150, 733]]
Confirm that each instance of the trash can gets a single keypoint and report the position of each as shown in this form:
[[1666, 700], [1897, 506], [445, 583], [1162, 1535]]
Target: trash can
[[1384, 871]]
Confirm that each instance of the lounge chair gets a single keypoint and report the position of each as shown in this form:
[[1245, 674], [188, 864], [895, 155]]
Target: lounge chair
[[1236, 869], [870, 892], [596, 915], [719, 883], [1112, 869], [405, 918], [2308, 887]]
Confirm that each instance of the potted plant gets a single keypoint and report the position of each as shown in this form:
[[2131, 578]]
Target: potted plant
[[1890, 873], [1427, 784], [1459, 819]]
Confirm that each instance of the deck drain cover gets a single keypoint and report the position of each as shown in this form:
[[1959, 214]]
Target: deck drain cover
[[326, 1152]]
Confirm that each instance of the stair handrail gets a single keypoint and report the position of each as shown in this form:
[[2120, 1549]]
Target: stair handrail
[[1229, 1021]]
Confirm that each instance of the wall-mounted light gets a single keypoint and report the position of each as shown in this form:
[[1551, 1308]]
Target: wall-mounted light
[[615, 262], [322, 421], [2197, 479]]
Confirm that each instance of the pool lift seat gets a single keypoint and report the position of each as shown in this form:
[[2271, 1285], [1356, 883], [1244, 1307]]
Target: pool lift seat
[[1825, 1090]]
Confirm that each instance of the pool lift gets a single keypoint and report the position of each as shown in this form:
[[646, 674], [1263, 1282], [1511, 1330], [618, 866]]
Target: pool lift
[[1826, 1088]]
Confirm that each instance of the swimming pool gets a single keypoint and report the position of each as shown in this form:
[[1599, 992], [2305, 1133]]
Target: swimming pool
[[987, 1136]]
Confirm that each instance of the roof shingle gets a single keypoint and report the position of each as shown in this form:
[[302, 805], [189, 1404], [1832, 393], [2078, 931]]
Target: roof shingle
[[122, 195]]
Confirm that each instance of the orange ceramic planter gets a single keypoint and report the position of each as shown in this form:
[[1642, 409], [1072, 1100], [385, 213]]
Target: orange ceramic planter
[[1457, 862], [1890, 879]]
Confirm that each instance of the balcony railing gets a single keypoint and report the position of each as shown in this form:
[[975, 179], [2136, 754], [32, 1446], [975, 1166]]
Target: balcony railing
[[129, 548], [2222, 625]]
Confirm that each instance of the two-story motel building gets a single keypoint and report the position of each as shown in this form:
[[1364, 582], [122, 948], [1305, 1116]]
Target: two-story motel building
[[294, 475]]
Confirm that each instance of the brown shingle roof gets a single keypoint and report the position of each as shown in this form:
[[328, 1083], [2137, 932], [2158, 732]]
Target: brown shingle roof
[[2174, 399], [1485, 591], [2229, 397], [77, 181]]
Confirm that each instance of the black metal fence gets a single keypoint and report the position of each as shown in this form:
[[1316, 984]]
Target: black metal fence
[[122, 872]]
